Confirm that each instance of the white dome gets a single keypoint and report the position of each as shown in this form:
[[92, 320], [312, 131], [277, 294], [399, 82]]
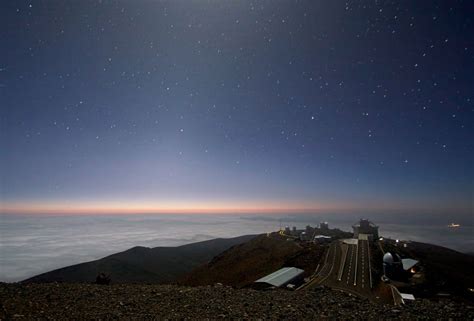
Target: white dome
[[390, 258]]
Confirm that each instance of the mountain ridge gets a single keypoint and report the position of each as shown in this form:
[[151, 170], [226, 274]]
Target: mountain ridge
[[142, 264]]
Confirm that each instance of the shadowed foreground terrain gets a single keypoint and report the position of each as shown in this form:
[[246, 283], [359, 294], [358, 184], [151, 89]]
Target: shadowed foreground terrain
[[135, 301]]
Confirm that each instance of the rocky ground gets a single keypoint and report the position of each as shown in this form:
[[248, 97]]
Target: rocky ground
[[89, 301]]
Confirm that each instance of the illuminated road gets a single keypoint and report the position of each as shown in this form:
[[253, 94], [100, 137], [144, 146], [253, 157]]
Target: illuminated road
[[346, 267], [348, 275], [328, 266]]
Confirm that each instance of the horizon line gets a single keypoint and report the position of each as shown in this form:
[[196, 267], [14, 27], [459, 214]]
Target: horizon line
[[109, 209]]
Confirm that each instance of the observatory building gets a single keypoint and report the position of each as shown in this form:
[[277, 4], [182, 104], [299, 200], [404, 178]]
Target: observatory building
[[366, 227], [395, 267]]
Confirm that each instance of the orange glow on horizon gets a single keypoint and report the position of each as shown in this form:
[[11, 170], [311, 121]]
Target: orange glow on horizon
[[198, 207], [87, 208]]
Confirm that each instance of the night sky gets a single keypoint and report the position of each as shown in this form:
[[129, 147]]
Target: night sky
[[149, 106]]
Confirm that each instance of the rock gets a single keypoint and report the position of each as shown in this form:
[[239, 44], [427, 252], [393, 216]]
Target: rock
[[102, 279]]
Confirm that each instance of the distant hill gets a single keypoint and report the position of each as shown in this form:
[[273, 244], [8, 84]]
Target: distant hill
[[142, 264], [245, 263]]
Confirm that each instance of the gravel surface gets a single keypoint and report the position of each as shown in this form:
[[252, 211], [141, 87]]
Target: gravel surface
[[89, 301]]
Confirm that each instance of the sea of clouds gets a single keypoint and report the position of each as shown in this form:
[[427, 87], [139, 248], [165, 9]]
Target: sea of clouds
[[30, 245]]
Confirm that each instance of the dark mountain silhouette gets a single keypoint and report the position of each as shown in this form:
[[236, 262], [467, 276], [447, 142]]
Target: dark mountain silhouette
[[142, 264]]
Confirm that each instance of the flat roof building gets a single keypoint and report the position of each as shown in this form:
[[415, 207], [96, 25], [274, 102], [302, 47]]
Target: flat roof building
[[322, 239], [407, 297], [408, 264], [282, 277]]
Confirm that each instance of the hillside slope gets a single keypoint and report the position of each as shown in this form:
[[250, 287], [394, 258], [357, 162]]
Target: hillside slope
[[243, 264], [142, 264]]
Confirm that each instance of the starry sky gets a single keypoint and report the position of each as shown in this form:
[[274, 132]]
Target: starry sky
[[182, 106]]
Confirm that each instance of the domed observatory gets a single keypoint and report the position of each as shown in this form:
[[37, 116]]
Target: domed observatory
[[396, 268], [392, 265]]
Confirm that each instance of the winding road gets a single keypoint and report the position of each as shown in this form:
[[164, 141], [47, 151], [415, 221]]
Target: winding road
[[346, 267]]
